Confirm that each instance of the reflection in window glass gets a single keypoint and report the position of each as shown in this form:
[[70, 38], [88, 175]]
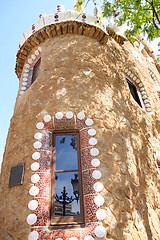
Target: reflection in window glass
[[66, 176], [66, 199], [66, 152]]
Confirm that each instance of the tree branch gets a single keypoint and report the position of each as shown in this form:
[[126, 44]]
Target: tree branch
[[154, 21], [155, 13]]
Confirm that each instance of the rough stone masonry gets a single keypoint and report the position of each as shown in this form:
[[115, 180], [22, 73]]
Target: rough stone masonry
[[84, 70]]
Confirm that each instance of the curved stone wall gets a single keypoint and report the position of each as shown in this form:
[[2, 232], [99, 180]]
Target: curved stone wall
[[80, 75]]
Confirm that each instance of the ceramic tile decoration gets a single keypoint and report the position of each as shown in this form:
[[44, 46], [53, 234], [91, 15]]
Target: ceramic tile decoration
[[40, 125], [37, 144], [88, 238], [37, 135], [92, 141], [140, 87], [49, 32], [35, 178], [33, 56], [31, 219], [100, 231], [69, 115], [89, 122], [35, 166], [33, 235], [41, 190], [24, 83], [33, 191], [81, 115], [59, 115], [101, 214], [28, 70], [47, 118], [99, 200], [95, 162], [96, 174], [23, 88], [91, 132], [98, 186], [32, 205], [36, 155], [94, 152], [60, 16]]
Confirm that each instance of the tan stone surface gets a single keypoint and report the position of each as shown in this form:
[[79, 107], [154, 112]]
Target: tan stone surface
[[77, 74]]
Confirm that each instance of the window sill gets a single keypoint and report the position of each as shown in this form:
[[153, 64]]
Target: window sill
[[66, 226]]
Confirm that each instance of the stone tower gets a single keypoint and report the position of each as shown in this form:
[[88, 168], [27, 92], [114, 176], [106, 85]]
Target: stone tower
[[86, 117]]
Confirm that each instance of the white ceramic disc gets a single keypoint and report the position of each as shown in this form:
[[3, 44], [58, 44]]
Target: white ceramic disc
[[39, 125], [92, 141], [36, 155], [37, 145], [47, 118], [91, 132], [89, 122], [33, 235], [33, 191], [59, 115], [80, 115], [95, 162], [96, 174], [100, 231], [98, 186], [99, 200], [38, 135], [35, 178], [32, 205], [31, 219], [69, 115], [35, 166], [94, 152]]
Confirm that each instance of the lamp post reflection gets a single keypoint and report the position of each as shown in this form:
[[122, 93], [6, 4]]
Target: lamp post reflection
[[64, 199]]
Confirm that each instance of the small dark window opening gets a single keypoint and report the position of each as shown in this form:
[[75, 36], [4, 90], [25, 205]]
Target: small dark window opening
[[134, 93], [158, 164], [67, 197], [36, 70]]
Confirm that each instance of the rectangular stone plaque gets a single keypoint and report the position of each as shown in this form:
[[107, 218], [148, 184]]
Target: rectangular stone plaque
[[16, 175]]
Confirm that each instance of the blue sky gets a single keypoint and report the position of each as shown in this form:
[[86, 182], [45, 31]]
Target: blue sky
[[16, 17]]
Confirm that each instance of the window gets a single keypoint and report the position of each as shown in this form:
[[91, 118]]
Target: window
[[67, 199], [35, 70], [134, 92]]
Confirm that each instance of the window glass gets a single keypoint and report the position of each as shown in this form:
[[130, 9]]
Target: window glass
[[36, 70], [67, 200], [66, 152], [133, 91]]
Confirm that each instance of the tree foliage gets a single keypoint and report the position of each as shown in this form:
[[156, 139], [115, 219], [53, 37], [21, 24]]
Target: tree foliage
[[141, 16]]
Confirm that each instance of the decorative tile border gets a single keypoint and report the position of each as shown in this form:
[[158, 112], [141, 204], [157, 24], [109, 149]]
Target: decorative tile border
[[58, 16], [140, 86], [40, 190], [28, 70], [154, 78], [62, 22]]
